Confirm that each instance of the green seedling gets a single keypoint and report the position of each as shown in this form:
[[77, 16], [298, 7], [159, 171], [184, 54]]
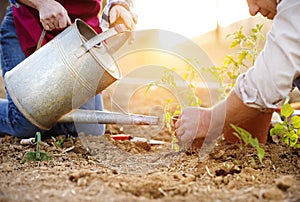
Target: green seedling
[[36, 156], [174, 143], [246, 138], [192, 78], [58, 142], [288, 131], [248, 48]]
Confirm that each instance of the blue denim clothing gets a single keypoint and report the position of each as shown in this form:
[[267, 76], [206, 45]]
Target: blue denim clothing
[[11, 119]]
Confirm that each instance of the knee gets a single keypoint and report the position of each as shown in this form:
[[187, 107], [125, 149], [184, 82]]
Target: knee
[[24, 130]]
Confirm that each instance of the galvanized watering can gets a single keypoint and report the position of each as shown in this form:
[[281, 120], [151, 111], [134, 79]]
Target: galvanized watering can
[[63, 74]]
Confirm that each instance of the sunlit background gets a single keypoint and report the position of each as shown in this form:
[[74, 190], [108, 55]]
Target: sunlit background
[[204, 23], [190, 17]]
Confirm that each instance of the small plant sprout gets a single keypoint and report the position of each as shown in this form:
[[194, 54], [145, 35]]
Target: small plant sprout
[[58, 142], [288, 131], [246, 138], [36, 156], [174, 144]]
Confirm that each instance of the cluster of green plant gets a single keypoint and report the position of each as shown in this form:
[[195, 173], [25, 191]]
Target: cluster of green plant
[[167, 80], [58, 141], [288, 131], [246, 139], [37, 155], [248, 48], [192, 79]]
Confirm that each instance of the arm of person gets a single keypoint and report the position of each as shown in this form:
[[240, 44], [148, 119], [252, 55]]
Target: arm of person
[[119, 11], [258, 90], [52, 14], [197, 123]]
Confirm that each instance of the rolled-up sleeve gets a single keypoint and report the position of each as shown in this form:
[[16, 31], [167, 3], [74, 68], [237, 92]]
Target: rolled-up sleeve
[[271, 78]]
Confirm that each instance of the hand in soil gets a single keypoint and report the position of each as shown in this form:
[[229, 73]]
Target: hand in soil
[[192, 127]]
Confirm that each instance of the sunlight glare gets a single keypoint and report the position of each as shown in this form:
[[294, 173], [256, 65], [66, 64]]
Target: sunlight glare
[[191, 17]]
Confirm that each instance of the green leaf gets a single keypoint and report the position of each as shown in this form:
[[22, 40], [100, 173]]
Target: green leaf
[[296, 121], [286, 138], [278, 129], [234, 43], [175, 145], [36, 156], [287, 110], [248, 139], [254, 142], [293, 139], [260, 154]]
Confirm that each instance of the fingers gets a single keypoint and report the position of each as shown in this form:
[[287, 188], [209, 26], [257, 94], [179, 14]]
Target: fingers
[[63, 22], [271, 16], [53, 23], [193, 124], [119, 14], [186, 125], [267, 13], [253, 9], [53, 16], [268, 8]]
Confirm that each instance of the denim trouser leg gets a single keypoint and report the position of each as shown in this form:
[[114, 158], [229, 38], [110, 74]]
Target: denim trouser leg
[[12, 120]]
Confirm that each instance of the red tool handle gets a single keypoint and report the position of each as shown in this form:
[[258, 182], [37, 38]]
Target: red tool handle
[[121, 137]]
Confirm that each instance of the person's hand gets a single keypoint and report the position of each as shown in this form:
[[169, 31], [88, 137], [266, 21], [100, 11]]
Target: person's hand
[[53, 15], [118, 14], [192, 127], [267, 8]]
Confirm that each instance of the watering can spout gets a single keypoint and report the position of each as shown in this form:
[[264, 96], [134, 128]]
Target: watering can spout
[[105, 117]]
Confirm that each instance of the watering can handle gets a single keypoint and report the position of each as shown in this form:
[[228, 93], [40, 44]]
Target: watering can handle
[[120, 28]]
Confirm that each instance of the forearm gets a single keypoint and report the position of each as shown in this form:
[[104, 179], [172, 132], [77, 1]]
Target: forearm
[[229, 111], [237, 112], [234, 111]]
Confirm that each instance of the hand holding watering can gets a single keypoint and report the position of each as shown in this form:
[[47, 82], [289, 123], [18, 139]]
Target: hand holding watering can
[[54, 16]]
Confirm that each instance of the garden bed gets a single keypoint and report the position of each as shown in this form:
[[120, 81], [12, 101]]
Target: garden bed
[[98, 168]]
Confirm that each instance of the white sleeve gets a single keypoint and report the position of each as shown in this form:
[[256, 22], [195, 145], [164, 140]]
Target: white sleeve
[[271, 78]]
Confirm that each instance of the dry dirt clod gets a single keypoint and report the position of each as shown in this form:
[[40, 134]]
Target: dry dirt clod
[[284, 182], [273, 194], [219, 154], [5, 167], [250, 171], [218, 180]]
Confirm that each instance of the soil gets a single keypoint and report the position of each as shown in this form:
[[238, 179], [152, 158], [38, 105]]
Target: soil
[[98, 168]]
